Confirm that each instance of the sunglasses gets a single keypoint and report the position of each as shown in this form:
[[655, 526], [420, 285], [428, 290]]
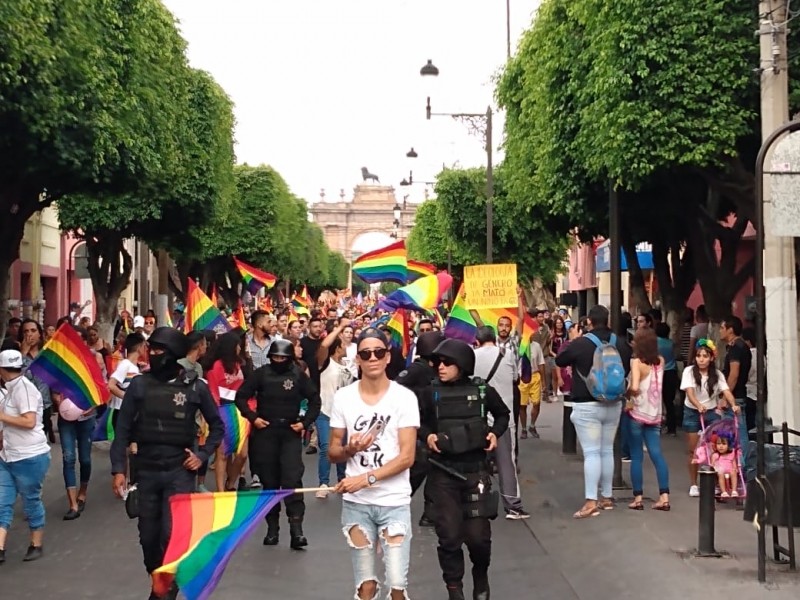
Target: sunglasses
[[447, 362], [378, 353]]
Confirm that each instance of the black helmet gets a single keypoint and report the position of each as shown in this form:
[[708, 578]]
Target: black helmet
[[427, 343], [171, 340], [281, 348], [460, 353]]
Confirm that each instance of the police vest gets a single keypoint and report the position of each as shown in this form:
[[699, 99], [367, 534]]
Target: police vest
[[166, 415], [461, 416]]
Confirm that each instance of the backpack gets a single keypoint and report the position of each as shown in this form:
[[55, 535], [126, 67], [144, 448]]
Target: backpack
[[606, 378]]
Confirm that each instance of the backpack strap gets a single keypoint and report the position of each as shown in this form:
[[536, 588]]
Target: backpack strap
[[496, 364], [594, 339], [613, 340]]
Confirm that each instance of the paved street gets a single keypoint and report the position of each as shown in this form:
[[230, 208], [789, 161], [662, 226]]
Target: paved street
[[551, 556]]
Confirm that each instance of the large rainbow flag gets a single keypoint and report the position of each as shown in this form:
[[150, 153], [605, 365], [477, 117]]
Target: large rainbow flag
[[383, 264], [424, 294], [237, 428], [460, 324], [253, 278], [417, 269], [67, 366], [206, 531], [201, 314], [398, 328], [104, 429]]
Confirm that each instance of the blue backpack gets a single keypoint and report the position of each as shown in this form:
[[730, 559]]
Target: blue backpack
[[606, 379]]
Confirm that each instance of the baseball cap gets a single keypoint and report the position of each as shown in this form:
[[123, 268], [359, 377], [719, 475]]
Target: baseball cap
[[138, 321], [10, 359]]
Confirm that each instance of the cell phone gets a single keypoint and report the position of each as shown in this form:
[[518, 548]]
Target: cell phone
[[374, 430]]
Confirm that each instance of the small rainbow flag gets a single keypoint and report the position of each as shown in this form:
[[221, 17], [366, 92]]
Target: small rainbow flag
[[490, 317], [213, 297], [201, 314], [104, 430], [237, 429], [417, 269], [460, 325], [68, 366], [239, 317], [424, 294], [206, 531], [384, 264], [167, 318], [303, 299], [254, 279], [398, 328]]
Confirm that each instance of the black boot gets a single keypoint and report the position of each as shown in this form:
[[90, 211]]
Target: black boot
[[298, 540], [480, 586], [273, 529], [455, 592]]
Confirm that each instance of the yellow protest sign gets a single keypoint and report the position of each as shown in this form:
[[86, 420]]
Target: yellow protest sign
[[491, 286]]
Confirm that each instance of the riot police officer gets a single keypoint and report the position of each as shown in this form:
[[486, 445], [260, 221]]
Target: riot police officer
[[417, 377], [158, 413], [455, 428], [276, 439]]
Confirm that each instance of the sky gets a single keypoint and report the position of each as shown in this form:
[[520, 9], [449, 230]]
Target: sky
[[322, 88]]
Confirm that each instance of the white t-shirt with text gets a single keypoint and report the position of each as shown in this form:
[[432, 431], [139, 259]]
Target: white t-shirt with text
[[710, 402], [397, 409]]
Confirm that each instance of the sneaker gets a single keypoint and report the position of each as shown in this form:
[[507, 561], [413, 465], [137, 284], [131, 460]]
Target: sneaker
[[534, 433], [242, 485], [255, 482], [311, 450], [694, 491], [323, 493], [626, 459], [517, 515], [2, 556], [33, 553], [734, 494], [523, 435]]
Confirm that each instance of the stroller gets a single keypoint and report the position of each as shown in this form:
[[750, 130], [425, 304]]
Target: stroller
[[728, 429]]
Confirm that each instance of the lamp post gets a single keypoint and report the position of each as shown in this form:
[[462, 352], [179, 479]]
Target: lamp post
[[478, 123], [396, 213]]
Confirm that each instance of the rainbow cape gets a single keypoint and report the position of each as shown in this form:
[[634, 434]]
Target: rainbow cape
[[383, 264], [424, 294], [201, 314], [104, 430], [68, 366], [417, 269], [460, 324], [206, 531], [254, 279], [398, 327], [237, 428]]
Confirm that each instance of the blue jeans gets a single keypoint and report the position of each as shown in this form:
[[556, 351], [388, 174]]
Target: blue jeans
[[76, 434], [596, 425], [650, 435], [23, 478], [375, 522], [323, 439], [625, 434]]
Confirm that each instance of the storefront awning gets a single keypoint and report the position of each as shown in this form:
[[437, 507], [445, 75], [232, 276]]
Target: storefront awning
[[644, 253]]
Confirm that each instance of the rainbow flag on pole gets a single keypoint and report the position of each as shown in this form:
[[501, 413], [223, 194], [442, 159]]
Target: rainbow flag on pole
[[384, 264], [68, 366], [424, 294], [201, 314], [398, 328], [417, 269], [206, 531], [460, 324], [254, 279]]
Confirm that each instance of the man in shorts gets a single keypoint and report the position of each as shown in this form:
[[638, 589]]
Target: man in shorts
[[530, 388]]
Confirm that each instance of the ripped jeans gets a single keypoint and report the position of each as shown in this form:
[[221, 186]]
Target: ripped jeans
[[375, 522]]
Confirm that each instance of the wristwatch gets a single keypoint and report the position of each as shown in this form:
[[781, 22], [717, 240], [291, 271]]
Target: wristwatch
[[371, 479]]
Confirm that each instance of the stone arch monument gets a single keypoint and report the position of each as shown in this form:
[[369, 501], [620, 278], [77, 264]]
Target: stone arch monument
[[370, 209]]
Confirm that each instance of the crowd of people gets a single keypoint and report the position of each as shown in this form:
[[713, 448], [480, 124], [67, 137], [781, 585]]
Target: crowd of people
[[447, 415]]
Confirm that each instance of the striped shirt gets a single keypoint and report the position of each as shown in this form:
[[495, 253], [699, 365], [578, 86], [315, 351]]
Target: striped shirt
[[257, 353]]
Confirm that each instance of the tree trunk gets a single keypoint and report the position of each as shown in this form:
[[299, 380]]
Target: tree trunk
[[110, 267], [674, 272], [638, 293]]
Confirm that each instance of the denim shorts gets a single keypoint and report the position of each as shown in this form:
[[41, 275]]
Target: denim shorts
[[691, 419], [373, 522]]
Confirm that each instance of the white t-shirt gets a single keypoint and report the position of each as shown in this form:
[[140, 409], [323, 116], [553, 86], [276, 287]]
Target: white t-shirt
[[398, 408], [699, 331], [503, 378], [20, 443], [123, 375], [687, 381], [334, 377]]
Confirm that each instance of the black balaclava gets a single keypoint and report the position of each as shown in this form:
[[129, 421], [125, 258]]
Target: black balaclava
[[164, 367]]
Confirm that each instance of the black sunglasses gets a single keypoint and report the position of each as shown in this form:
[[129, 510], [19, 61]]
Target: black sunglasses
[[379, 353], [447, 362]]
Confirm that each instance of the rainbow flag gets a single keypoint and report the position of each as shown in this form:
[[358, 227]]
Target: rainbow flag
[[398, 327], [239, 315], [460, 325], [424, 294], [213, 297], [237, 429], [68, 366], [254, 279], [206, 531], [303, 299], [104, 430], [201, 314], [417, 269], [490, 316], [384, 264], [167, 318]]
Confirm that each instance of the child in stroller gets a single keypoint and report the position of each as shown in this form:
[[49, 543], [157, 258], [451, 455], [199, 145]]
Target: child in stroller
[[720, 448], [724, 460]]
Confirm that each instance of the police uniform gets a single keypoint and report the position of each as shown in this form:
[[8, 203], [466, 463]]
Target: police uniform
[[159, 413], [280, 389], [459, 484]]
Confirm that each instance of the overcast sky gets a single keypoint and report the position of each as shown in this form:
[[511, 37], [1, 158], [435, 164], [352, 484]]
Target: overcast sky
[[324, 87]]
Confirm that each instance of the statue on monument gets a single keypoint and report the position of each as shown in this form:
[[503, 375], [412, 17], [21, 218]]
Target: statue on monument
[[366, 175]]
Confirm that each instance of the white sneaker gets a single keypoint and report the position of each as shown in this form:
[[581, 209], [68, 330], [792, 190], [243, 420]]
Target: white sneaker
[[734, 494], [323, 493], [255, 483], [694, 491]]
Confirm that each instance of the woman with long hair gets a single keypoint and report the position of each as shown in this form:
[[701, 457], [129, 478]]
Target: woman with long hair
[[558, 337], [644, 407], [294, 331], [31, 341], [703, 385]]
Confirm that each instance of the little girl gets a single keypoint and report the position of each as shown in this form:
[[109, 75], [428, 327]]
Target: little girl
[[725, 463]]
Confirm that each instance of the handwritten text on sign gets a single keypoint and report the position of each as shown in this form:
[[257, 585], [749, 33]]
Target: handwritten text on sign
[[491, 286]]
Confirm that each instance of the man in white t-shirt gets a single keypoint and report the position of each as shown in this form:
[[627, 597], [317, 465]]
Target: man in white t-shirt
[[380, 418], [498, 368], [126, 370]]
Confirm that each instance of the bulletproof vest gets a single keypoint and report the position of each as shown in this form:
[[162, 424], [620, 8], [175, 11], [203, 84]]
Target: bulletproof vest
[[461, 416], [166, 414]]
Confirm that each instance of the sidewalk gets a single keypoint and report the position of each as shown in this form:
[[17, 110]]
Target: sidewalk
[[622, 552]]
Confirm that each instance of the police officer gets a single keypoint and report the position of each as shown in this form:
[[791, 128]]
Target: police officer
[[276, 439], [417, 377], [158, 413], [455, 428]]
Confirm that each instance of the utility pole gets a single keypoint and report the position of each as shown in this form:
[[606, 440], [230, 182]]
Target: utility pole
[[779, 281]]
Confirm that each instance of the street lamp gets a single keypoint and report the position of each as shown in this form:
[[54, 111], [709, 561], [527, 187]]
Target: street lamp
[[477, 123]]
